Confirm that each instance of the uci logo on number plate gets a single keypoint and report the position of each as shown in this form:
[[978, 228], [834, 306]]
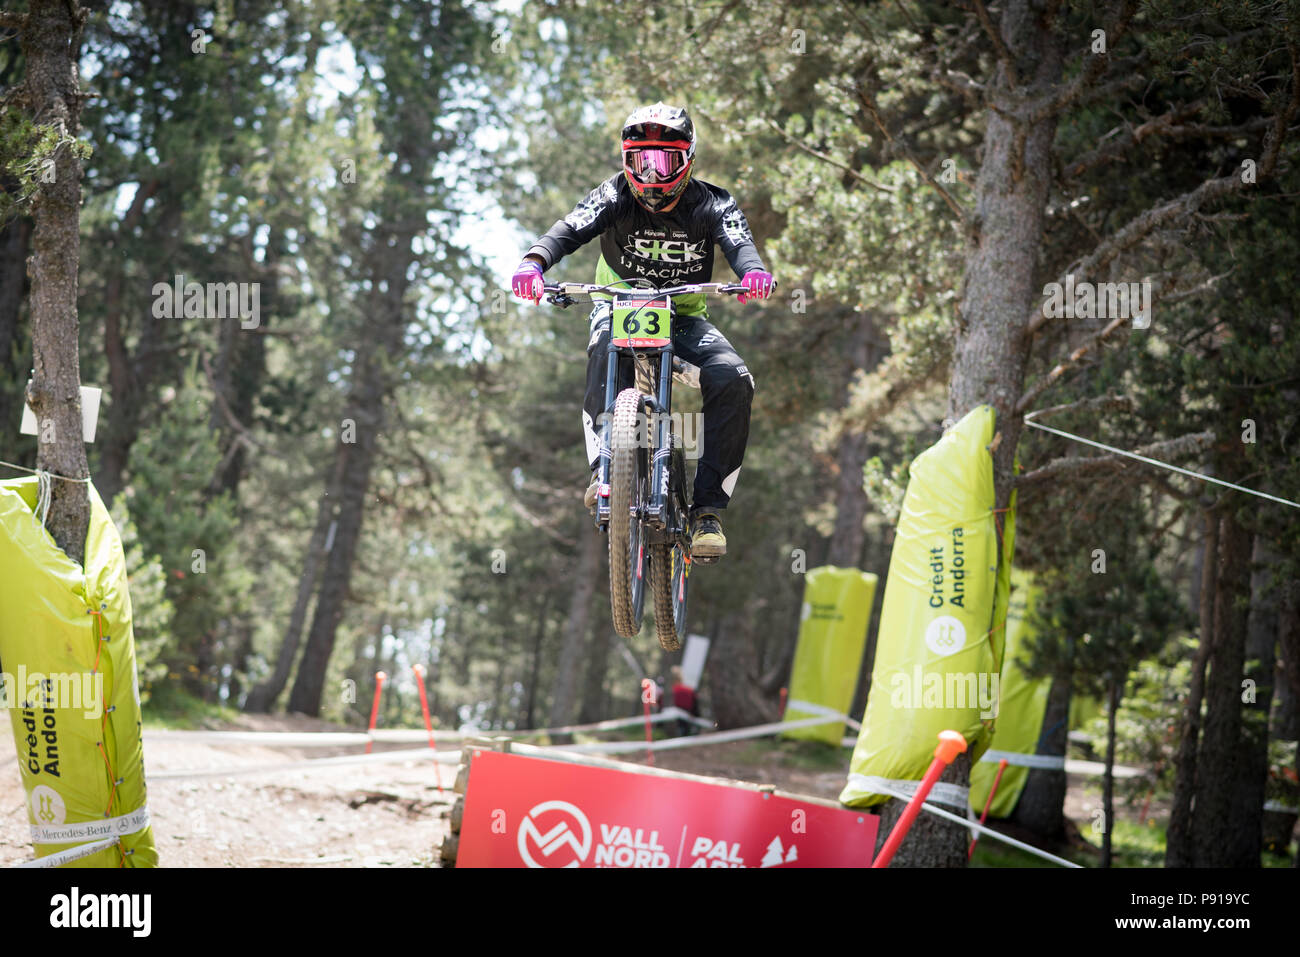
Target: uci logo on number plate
[[641, 323]]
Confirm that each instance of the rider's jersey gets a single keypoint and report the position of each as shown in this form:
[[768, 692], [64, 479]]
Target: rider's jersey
[[668, 249]]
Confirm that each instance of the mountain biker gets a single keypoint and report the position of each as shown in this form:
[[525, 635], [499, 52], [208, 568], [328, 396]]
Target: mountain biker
[[657, 222]]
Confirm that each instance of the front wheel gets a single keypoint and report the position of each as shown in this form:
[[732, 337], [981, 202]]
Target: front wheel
[[628, 487]]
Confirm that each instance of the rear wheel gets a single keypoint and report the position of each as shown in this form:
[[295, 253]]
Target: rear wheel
[[627, 490], [670, 567], [669, 570]]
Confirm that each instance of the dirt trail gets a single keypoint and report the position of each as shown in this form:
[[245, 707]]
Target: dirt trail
[[379, 815]]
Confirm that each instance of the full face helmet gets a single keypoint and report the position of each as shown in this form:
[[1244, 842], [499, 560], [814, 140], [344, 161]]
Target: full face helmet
[[658, 154]]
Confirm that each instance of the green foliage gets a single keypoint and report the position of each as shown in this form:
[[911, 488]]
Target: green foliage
[[1146, 723], [28, 152], [151, 611], [191, 532]]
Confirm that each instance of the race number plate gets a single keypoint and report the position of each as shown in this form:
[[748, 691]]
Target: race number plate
[[641, 323]]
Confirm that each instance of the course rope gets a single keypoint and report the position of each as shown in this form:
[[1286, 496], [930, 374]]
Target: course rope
[[1156, 462]]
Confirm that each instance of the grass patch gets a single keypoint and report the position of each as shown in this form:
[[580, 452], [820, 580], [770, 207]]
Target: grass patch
[[802, 755], [1132, 845], [173, 708]]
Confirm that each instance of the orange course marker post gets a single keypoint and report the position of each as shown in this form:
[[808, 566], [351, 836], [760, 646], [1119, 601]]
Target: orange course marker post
[[951, 744], [997, 779], [647, 695], [380, 678], [784, 694], [428, 724]]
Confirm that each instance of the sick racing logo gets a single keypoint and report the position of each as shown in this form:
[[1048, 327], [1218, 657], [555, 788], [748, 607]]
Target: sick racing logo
[[664, 250], [561, 819]]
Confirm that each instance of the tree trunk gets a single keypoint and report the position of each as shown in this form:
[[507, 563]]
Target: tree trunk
[[1246, 824], [1006, 234], [238, 373], [417, 62], [1219, 763], [1288, 664], [51, 41], [1041, 807], [565, 686], [848, 535], [263, 697], [539, 636], [593, 682], [1108, 777], [1178, 843], [355, 462], [15, 238], [933, 841], [733, 670]]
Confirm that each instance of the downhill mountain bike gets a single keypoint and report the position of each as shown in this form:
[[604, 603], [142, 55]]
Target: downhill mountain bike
[[642, 499]]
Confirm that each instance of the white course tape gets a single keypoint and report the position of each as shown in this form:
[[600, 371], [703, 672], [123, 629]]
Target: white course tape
[[667, 714], [1048, 762], [699, 740], [981, 829], [809, 708], [109, 827], [453, 757], [338, 739], [270, 739], [71, 854], [1028, 420], [382, 757], [953, 795]]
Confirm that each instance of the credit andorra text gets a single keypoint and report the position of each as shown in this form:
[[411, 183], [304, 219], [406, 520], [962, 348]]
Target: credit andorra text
[[64, 691], [78, 910], [956, 573]]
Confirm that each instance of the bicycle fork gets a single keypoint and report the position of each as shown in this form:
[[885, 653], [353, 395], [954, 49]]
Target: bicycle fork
[[656, 409]]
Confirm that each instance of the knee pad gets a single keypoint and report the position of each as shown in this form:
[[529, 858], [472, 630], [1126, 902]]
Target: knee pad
[[727, 376], [600, 316]]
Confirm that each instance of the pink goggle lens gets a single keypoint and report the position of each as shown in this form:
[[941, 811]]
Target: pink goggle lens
[[655, 165]]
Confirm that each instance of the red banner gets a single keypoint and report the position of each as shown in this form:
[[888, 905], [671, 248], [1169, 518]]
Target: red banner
[[533, 812]]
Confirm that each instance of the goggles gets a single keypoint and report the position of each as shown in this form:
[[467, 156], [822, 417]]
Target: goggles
[[655, 164]]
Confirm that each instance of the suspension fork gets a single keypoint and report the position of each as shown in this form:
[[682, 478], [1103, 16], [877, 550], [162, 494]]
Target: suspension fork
[[606, 436], [660, 471]]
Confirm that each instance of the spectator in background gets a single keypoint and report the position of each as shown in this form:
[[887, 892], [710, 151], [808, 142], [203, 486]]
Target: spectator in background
[[685, 699]]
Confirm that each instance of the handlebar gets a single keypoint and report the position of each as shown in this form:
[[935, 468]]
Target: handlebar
[[566, 290]]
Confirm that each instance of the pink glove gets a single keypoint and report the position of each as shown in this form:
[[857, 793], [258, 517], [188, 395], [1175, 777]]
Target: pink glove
[[758, 283], [527, 281]]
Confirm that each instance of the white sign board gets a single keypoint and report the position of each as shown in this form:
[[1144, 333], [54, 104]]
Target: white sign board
[[697, 650], [89, 414]]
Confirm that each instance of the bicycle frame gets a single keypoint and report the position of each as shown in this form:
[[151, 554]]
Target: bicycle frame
[[659, 406]]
